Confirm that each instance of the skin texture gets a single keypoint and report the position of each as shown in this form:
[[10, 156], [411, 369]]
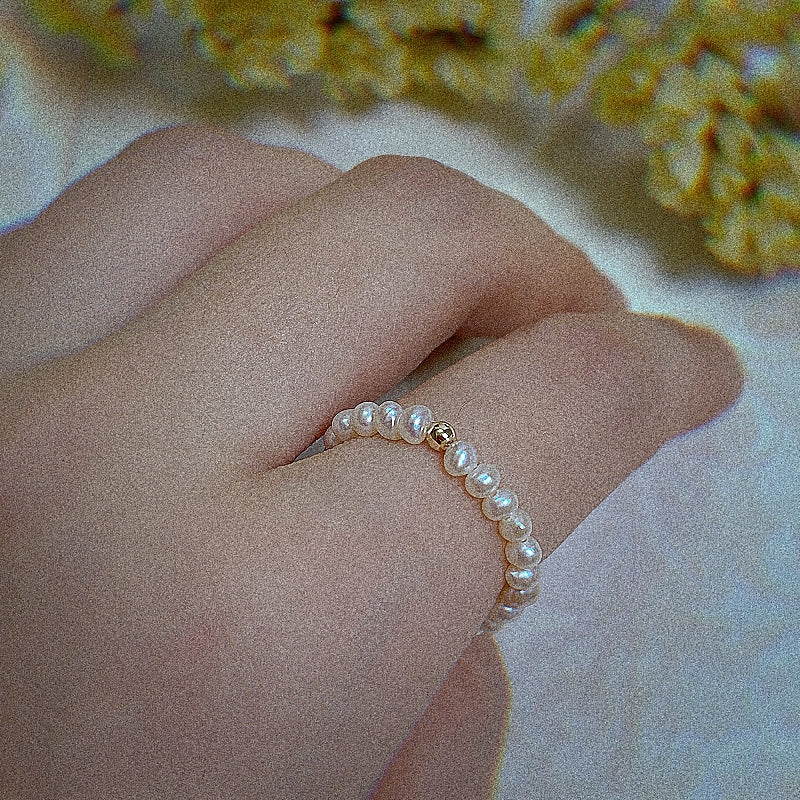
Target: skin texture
[[190, 613]]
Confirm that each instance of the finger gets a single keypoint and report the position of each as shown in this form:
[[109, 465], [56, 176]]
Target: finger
[[312, 612], [454, 749], [396, 566], [335, 298], [579, 401], [123, 236]]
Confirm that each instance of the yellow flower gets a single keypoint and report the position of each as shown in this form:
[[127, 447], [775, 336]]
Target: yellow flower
[[736, 141], [258, 43], [729, 28], [559, 58], [772, 75], [726, 182], [781, 198], [677, 175], [556, 66], [361, 59], [722, 87], [465, 47], [623, 93], [681, 92], [731, 241], [104, 24], [759, 232], [779, 183], [784, 149]]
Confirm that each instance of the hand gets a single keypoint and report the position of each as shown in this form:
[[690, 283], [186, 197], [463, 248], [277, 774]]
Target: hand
[[189, 613]]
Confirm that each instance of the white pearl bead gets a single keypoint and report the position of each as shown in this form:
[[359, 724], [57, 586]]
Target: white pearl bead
[[483, 480], [506, 612], [518, 578], [491, 624], [460, 458], [516, 527], [387, 420], [503, 503], [521, 597], [414, 423], [526, 553], [342, 425], [363, 418], [330, 439]]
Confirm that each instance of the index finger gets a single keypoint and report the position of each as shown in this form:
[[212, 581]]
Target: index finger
[[333, 299]]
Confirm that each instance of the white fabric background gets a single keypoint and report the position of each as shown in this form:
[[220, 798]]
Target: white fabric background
[[662, 660]]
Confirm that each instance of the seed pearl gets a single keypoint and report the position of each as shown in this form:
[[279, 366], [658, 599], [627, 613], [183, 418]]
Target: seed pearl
[[491, 624], [518, 578], [387, 420], [506, 612], [363, 418], [342, 425], [414, 423], [526, 553], [330, 439], [516, 527], [483, 480], [521, 597], [503, 503], [460, 458]]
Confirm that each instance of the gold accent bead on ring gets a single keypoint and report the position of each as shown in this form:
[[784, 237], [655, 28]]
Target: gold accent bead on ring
[[440, 435]]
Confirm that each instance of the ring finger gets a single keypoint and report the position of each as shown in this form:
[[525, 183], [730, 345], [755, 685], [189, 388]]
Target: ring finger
[[337, 297]]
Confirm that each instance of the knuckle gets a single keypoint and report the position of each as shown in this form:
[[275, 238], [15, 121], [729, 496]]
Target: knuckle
[[382, 163], [415, 172], [461, 215], [179, 147], [426, 176], [193, 143], [423, 168], [187, 134]]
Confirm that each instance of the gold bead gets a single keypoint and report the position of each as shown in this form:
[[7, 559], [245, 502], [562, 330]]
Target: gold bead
[[440, 435]]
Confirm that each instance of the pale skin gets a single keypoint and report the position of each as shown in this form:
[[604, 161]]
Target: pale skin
[[188, 613]]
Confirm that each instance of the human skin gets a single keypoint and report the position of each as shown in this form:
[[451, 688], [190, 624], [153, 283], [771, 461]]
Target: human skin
[[187, 612]]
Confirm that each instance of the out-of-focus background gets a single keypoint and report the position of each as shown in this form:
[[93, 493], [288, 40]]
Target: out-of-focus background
[[662, 660]]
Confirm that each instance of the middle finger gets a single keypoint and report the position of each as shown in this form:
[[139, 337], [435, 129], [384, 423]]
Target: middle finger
[[331, 300]]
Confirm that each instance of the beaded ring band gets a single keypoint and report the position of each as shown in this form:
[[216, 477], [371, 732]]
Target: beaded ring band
[[416, 425]]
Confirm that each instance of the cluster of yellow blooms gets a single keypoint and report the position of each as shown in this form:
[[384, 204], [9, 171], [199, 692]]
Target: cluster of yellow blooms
[[712, 86], [361, 48], [713, 89]]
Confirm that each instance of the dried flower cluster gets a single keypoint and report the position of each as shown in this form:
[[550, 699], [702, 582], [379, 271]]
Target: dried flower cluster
[[711, 86], [713, 89]]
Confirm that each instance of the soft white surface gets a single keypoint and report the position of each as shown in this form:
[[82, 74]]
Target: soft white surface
[[662, 660]]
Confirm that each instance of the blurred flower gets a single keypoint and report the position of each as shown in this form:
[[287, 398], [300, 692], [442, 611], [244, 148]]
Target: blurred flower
[[709, 101], [257, 43], [623, 93], [711, 86], [754, 225], [772, 75], [465, 47], [361, 57], [104, 24], [560, 57], [748, 238]]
